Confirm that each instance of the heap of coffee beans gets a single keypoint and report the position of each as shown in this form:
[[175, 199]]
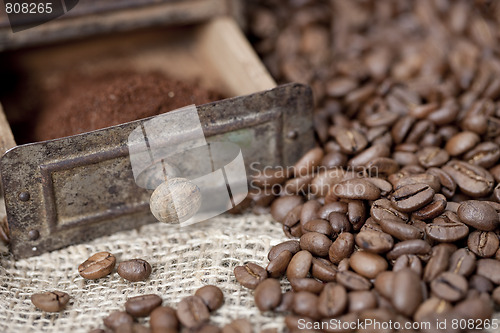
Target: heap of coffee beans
[[396, 214]]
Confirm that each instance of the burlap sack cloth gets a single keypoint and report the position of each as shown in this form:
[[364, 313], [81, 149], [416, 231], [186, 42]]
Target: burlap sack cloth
[[183, 259]]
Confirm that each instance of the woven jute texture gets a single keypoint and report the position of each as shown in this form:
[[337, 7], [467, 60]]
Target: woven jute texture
[[183, 259]]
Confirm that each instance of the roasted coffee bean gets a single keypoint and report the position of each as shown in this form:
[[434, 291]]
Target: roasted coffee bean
[[369, 154], [479, 215], [439, 261], [141, 306], [475, 308], [341, 248], [309, 212], [334, 159], [323, 270], [320, 226], [489, 268], [306, 284], [277, 267], [368, 264], [410, 261], [420, 178], [406, 296], [496, 295], [268, 295], [350, 141], [381, 166], [299, 265], [382, 209], [448, 185], [207, 328], [449, 286], [212, 296], [52, 301], [481, 284], [400, 230], [298, 185], [324, 180], [332, 300], [462, 262], [361, 300], [483, 243], [485, 154], [306, 304], [401, 128], [413, 246], [461, 143], [134, 270], [343, 265], [261, 197], [473, 180], [432, 306], [163, 318], [339, 222], [333, 207], [374, 241], [316, 243], [250, 275], [412, 197], [356, 214], [117, 319], [435, 208], [286, 302], [446, 228], [353, 281], [384, 283], [358, 189], [309, 162], [292, 246], [432, 157], [192, 312], [384, 186], [97, 266], [238, 326], [281, 206]]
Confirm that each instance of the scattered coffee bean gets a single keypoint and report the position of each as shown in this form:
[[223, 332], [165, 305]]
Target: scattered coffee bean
[[163, 318], [250, 275], [332, 301], [212, 296], [238, 326], [306, 304], [117, 319], [306, 284], [134, 270], [277, 267], [141, 306], [97, 266], [52, 301], [299, 265], [316, 243], [192, 312], [368, 264]]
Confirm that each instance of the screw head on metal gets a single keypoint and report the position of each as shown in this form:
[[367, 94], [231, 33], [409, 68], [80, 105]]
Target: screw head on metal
[[292, 134], [24, 196], [33, 234]]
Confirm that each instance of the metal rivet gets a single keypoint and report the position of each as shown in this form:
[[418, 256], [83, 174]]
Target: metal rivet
[[24, 196], [33, 248], [33, 234], [292, 134]]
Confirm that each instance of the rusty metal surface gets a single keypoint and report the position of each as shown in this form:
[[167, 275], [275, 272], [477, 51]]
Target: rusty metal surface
[[74, 189]]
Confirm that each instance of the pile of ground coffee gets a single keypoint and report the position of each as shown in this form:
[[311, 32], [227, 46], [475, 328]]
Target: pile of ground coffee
[[80, 103]]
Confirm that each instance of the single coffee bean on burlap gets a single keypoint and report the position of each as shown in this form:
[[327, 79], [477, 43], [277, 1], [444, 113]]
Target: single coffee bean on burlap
[[97, 266], [241, 325], [116, 319], [332, 300], [52, 301], [134, 270], [141, 306], [250, 275], [192, 312], [212, 296], [268, 295], [163, 318]]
